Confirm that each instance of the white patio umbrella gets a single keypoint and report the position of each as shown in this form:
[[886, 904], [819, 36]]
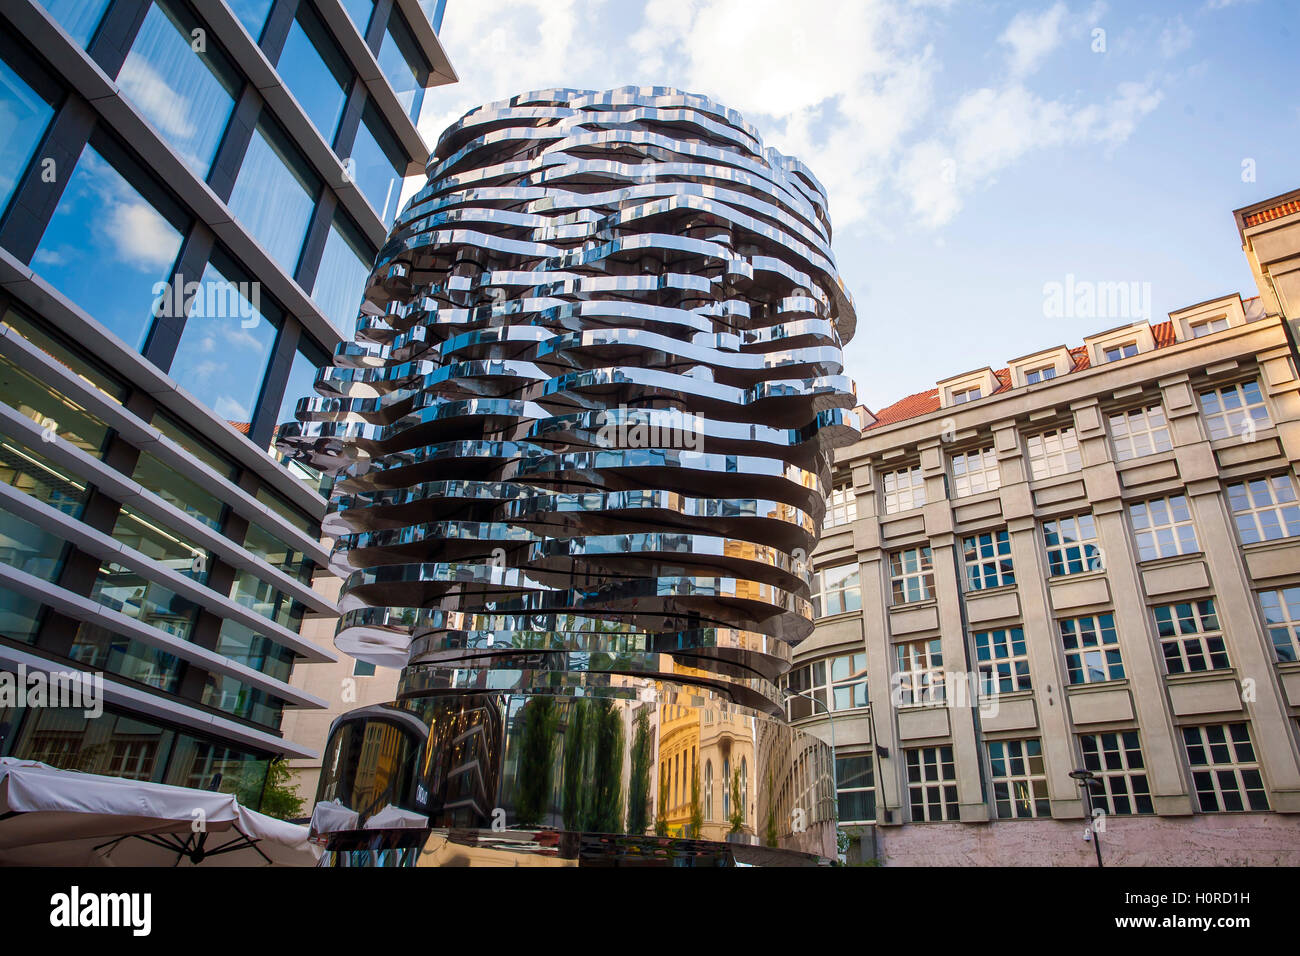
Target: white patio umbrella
[[51, 817]]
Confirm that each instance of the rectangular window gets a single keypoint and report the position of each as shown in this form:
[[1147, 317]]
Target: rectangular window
[[837, 590], [1019, 779], [911, 575], [315, 71], [961, 396], [1054, 452], [1123, 350], [846, 690], [987, 559], [1139, 432], [848, 681], [363, 669], [1190, 637], [1234, 410], [1091, 649], [379, 164], [1120, 781], [25, 114], [1265, 509], [1225, 771], [1281, 609], [403, 65], [1163, 527], [807, 686], [274, 195], [341, 278], [841, 507], [1207, 326], [1071, 545], [186, 95], [919, 678], [79, 18], [359, 12], [904, 489], [226, 344], [975, 472], [252, 14], [1003, 661], [856, 787], [931, 783], [1035, 375], [104, 226]]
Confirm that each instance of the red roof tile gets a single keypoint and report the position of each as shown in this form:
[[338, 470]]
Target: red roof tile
[[241, 427], [1273, 212], [923, 403]]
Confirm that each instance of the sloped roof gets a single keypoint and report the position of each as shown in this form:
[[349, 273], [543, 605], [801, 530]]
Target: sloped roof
[[923, 403]]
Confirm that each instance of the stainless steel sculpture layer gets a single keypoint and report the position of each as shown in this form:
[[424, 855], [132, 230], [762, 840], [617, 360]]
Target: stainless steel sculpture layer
[[582, 442]]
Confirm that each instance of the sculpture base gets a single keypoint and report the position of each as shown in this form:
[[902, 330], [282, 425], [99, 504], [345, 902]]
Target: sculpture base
[[473, 847]]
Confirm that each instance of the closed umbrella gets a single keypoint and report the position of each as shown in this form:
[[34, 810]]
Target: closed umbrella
[[52, 817]]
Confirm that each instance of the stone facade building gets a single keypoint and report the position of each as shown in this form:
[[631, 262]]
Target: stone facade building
[[1086, 560]]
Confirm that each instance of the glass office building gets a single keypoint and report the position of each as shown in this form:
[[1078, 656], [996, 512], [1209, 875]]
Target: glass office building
[[190, 198]]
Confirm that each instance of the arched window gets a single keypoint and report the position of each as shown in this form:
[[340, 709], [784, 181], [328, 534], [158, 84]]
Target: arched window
[[708, 790], [726, 789]]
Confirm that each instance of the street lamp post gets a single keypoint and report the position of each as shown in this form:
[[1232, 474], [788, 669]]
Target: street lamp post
[[1086, 778]]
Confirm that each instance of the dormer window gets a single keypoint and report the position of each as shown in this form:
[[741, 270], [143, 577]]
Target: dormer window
[[1120, 350], [1207, 326], [1125, 342], [1217, 315], [1035, 375], [968, 387]]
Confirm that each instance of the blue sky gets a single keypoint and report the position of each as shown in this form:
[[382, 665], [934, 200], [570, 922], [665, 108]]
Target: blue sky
[[973, 151]]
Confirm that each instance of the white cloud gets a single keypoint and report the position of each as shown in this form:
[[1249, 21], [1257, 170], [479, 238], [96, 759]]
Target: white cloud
[[991, 129], [139, 235], [1032, 36], [231, 410], [166, 108], [1176, 37], [848, 86]]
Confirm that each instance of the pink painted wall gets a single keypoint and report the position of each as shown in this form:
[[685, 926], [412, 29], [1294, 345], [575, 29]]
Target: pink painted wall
[[1209, 840]]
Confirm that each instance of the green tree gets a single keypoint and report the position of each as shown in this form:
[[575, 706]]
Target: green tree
[[771, 812], [697, 808], [605, 803], [575, 753], [638, 795], [539, 719], [280, 798], [737, 818]]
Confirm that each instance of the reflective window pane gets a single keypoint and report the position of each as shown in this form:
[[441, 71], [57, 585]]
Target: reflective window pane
[[108, 249], [378, 163], [341, 278], [77, 17], [24, 116], [434, 9], [226, 347], [274, 196], [404, 65], [252, 14], [360, 11], [315, 71], [187, 96]]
